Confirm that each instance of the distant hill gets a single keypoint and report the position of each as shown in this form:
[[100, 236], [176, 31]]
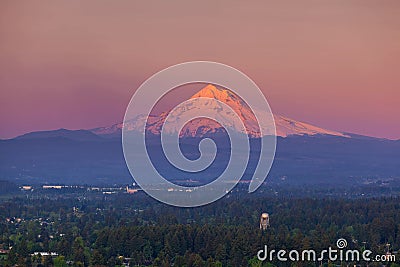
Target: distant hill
[[78, 135], [305, 154], [299, 159]]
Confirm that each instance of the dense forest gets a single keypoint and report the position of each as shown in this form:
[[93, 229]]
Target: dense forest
[[134, 230]]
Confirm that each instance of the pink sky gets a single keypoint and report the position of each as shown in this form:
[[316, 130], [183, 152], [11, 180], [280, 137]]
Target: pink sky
[[75, 64]]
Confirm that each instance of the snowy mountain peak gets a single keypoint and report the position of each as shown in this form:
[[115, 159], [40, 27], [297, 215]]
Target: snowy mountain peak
[[209, 91], [212, 91], [200, 127]]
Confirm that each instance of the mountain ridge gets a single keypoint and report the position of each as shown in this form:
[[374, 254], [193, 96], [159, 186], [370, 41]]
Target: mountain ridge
[[77, 135], [201, 127]]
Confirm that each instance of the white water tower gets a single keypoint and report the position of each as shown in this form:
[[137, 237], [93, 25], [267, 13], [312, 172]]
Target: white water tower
[[264, 221]]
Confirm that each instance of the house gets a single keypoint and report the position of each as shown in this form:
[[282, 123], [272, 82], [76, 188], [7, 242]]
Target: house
[[52, 254]]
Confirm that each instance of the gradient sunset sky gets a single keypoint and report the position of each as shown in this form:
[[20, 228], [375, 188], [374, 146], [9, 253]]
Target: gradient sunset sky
[[76, 64]]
